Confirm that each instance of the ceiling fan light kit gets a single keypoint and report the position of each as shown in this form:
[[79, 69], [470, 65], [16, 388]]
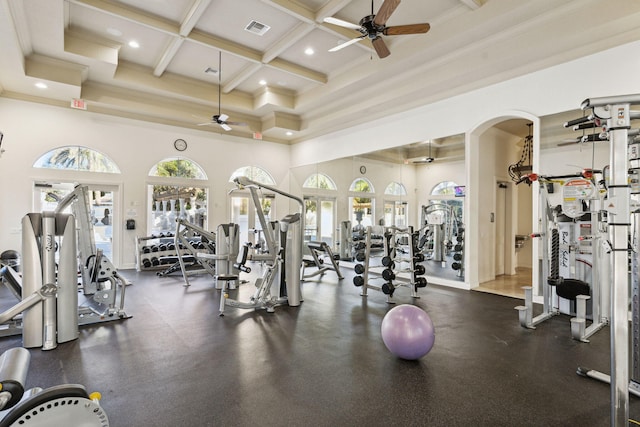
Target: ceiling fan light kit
[[374, 26]]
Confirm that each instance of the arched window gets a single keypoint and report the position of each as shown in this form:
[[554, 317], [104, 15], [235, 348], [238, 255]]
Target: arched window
[[395, 189], [77, 158], [444, 188], [319, 181], [362, 208], [254, 173], [361, 185], [178, 168], [176, 190], [243, 211]]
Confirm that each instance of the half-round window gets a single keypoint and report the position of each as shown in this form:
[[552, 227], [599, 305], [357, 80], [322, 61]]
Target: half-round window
[[319, 181], [178, 168], [254, 173], [395, 189], [444, 188], [77, 158], [361, 185]]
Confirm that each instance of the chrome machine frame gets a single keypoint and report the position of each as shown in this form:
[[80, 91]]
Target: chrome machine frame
[[283, 258], [613, 115]]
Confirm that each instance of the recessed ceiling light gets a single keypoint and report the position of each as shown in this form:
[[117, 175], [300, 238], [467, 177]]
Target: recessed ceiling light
[[41, 85], [114, 32], [134, 44], [289, 133], [309, 51], [262, 82]]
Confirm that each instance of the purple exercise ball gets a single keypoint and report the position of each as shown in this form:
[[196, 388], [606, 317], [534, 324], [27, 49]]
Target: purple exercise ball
[[408, 332]]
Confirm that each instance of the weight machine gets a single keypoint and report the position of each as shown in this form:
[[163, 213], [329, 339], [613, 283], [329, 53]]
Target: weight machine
[[183, 242], [321, 252], [282, 261], [573, 234], [439, 224], [48, 288], [613, 115], [101, 282], [62, 405]]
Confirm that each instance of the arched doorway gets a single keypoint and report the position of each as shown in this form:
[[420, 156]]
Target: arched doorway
[[501, 212]]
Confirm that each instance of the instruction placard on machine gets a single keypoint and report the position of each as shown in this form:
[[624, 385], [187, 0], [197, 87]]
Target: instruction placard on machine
[[574, 193]]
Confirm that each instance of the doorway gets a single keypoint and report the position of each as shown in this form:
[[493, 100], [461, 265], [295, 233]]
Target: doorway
[[505, 224], [319, 220], [103, 207]]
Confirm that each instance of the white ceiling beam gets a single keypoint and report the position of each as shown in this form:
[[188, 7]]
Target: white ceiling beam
[[291, 38], [241, 77], [167, 56], [203, 38], [472, 4], [193, 16], [331, 8], [293, 9]]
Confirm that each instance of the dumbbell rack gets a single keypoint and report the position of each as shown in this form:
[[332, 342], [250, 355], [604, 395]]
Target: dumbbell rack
[[458, 253], [150, 250], [397, 257]]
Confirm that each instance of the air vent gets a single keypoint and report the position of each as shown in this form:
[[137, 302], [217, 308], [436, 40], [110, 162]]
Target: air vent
[[258, 28]]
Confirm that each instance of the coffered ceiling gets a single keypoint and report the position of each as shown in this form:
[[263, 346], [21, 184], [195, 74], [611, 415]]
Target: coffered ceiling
[[80, 50]]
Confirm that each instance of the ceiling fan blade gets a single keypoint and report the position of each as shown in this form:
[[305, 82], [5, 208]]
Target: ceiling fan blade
[[204, 124], [222, 118], [237, 123], [225, 126], [341, 23], [399, 30], [345, 44], [385, 11], [381, 47]]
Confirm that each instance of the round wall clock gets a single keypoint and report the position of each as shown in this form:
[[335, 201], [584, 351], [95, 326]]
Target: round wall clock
[[180, 144]]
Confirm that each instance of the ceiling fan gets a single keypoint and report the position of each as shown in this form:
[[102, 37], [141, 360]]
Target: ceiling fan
[[373, 26], [221, 119]]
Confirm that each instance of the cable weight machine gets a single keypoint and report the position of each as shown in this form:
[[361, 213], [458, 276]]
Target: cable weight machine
[[613, 115]]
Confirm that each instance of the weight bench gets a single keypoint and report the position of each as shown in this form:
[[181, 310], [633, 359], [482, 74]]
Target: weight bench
[[319, 251]]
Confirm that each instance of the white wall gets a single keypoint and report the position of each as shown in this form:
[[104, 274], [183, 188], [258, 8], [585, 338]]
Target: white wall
[[32, 129], [553, 90]]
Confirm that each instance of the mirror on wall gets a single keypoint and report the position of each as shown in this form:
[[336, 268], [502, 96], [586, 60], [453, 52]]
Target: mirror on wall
[[423, 184]]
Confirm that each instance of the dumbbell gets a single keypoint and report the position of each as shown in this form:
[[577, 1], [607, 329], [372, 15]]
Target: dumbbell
[[155, 248], [419, 270], [388, 288], [146, 263], [388, 274], [457, 257], [358, 281], [359, 268], [459, 238], [146, 249], [418, 257], [162, 247], [421, 282], [387, 261], [359, 246], [456, 266], [457, 248], [155, 261], [360, 256]]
